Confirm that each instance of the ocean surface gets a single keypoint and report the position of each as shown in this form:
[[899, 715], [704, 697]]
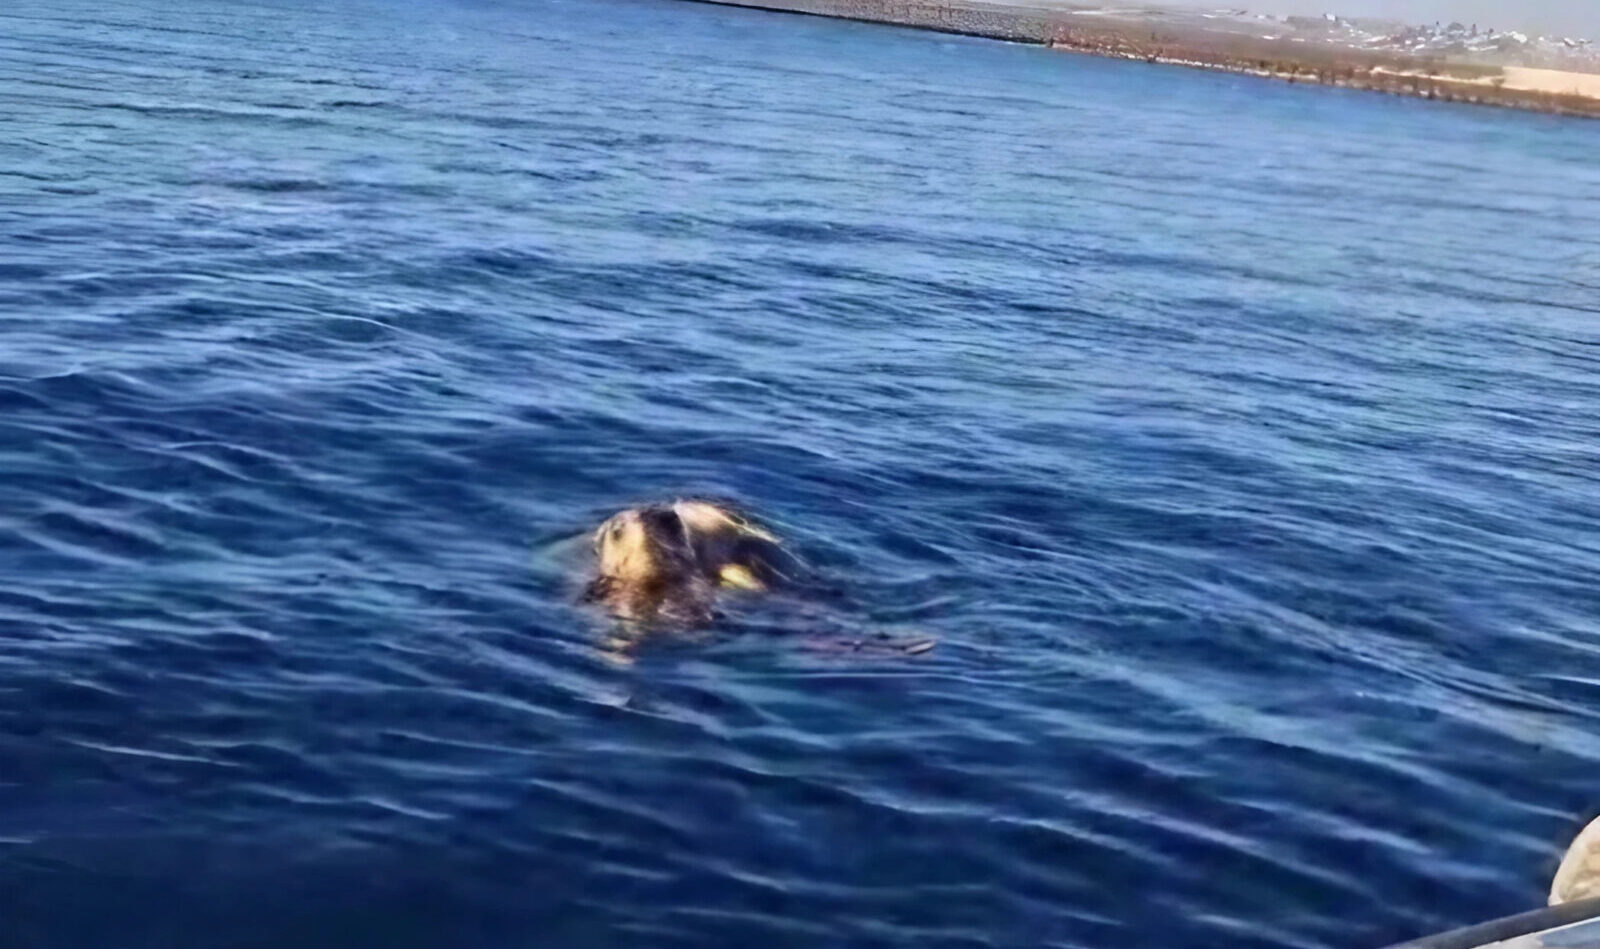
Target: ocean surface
[[1239, 441]]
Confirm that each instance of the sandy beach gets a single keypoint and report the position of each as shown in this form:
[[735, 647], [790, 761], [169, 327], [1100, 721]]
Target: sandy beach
[[1553, 81]]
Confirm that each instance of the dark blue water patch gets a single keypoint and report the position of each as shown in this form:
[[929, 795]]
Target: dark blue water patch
[[1234, 439]]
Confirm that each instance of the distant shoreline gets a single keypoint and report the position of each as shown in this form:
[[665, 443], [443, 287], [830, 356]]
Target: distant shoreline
[[1186, 41]]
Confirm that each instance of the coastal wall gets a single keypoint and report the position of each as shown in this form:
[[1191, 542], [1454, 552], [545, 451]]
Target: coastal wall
[[998, 21], [1177, 42]]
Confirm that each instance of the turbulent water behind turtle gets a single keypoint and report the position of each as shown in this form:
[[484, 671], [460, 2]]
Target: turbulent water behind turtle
[[1237, 441]]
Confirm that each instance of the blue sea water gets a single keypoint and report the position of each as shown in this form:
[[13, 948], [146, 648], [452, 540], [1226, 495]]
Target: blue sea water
[[1240, 442]]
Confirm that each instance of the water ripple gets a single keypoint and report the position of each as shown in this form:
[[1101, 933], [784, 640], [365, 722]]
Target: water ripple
[[1236, 441]]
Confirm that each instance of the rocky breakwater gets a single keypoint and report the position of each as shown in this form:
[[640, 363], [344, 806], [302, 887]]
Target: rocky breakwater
[[1016, 23], [1184, 40]]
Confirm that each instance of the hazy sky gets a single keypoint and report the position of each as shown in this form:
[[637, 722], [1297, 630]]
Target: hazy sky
[[1581, 17]]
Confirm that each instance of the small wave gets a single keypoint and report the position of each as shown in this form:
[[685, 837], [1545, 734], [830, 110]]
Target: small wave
[[1256, 524]]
